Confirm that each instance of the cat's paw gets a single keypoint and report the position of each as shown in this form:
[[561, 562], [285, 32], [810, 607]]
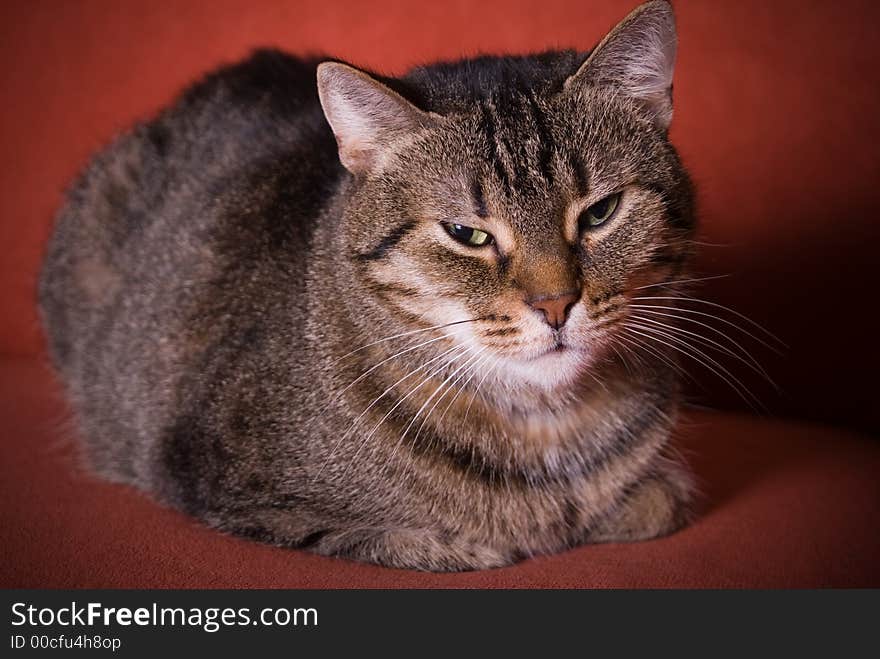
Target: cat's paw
[[419, 549], [660, 505]]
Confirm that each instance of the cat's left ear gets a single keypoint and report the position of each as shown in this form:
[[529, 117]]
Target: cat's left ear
[[367, 117], [637, 57]]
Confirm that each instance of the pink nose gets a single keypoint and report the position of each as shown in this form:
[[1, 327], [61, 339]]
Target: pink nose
[[555, 308]]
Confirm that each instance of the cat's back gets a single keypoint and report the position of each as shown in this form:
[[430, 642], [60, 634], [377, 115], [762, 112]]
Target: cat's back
[[169, 233], [148, 202]]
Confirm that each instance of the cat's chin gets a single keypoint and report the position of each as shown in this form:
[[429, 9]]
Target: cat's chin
[[551, 370]]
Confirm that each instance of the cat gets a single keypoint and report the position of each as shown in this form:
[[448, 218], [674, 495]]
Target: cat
[[384, 318]]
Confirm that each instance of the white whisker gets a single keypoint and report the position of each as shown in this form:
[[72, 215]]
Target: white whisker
[[719, 306], [477, 388], [473, 370], [750, 363], [707, 315], [340, 393], [440, 387], [376, 400], [700, 357], [404, 334], [622, 360], [425, 380], [680, 281], [656, 353]]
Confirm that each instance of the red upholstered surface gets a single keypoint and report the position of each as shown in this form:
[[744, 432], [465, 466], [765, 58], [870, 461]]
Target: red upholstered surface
[[776, 116], [785, 505]]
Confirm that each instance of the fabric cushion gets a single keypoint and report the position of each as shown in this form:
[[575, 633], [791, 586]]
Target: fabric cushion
[[784, 505]]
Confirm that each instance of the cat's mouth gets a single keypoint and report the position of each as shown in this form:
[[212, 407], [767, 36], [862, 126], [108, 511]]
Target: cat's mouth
[[557, 346], [549, 364]]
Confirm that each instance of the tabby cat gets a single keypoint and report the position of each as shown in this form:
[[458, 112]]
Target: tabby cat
[[381, 318]]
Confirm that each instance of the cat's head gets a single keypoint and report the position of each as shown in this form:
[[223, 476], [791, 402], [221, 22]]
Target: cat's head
[[535, 209]]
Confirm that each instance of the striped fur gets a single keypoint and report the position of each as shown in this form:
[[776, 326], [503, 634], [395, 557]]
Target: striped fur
[[261, 320]]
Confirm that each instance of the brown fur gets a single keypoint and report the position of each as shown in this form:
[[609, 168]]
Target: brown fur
[[300, 353]]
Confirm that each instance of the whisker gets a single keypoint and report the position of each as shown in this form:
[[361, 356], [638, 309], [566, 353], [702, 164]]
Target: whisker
[[680, 281], [598, 381], [707, 315], [425, 380], [701, 358], [473, 370], [425, 404], [659, 355], [622, 360], [704, 243], [376, 400], [477, 388], [719, 306], [339, 394], [644, 346], [403, 334], [751, 362]]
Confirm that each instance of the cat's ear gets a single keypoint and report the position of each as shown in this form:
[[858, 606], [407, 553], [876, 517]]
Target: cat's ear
[[637, 57], [367, 117]]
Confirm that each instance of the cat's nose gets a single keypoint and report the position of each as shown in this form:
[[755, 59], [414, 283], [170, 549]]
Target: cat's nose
[[555, 308]]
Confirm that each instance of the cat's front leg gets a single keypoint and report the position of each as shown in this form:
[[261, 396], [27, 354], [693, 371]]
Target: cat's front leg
[[417, 549], [658, 505]]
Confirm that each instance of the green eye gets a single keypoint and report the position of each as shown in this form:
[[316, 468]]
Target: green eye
[[468, 235], [599, 213]]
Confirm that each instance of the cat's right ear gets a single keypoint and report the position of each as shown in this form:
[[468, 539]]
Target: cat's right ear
[[367, 117]]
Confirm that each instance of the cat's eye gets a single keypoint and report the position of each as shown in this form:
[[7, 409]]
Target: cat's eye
[[599, 213], [468, 235]]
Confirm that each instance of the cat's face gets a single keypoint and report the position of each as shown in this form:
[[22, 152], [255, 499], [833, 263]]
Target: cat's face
[[535, 216]]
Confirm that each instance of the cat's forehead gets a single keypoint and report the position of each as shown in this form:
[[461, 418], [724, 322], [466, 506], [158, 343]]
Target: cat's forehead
[[453, 87], [532, 163], [519, 141]]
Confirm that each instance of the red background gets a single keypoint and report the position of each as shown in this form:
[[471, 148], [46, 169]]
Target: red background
[[777, 107], [776, 117]]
